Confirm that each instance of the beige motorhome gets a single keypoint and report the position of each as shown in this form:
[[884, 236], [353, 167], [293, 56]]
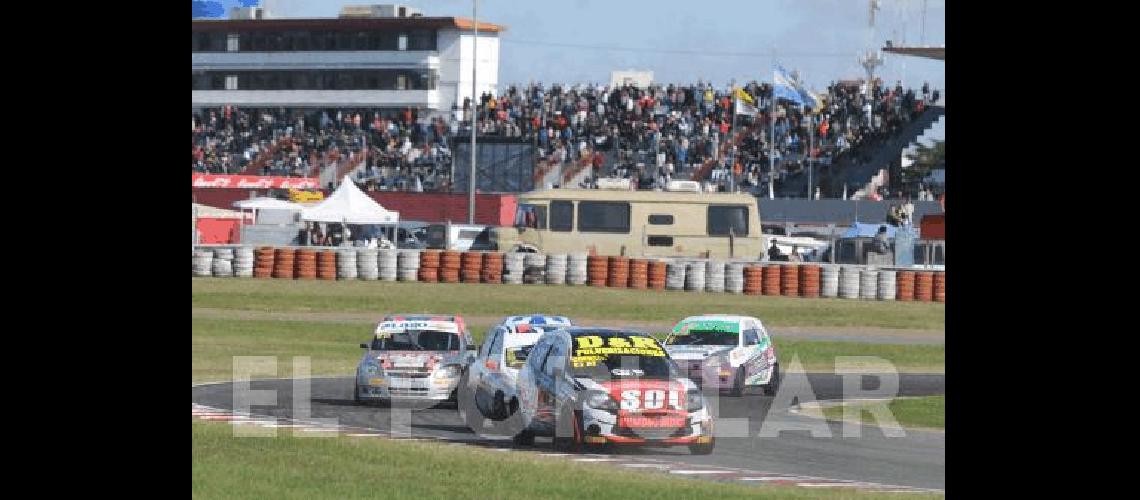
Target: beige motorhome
[[636, 223]]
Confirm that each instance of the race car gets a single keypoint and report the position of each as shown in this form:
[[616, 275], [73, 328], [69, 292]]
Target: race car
[[413, 357], [489, 382], [727, 352], [591, 387]]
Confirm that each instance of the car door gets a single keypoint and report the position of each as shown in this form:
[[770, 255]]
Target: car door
[[480, 370], [547, 382], [528, 381]]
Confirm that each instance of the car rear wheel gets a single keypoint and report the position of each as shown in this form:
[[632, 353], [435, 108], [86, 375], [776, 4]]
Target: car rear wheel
[[703, 448], [773, 384]]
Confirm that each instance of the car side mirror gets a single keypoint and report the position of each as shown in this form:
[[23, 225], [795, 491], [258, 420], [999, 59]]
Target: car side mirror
[[363, 345]]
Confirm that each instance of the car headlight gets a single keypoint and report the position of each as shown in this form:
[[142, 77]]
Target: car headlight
[[694, 400], [371, 368], [599, 400], [449, 371]]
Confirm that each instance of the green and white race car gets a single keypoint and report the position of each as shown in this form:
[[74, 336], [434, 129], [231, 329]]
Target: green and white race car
[[726, 352]]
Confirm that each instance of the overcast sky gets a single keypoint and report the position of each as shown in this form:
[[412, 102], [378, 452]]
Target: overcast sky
[[574, 41]]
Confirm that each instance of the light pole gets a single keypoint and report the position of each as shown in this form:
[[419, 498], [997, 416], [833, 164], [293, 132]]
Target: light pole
[[474, 109]]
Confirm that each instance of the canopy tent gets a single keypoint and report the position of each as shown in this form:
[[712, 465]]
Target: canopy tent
[[860, 229], [264, 203], [348, 204]]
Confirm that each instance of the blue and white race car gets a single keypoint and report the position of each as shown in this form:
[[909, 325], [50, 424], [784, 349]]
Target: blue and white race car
[[489, 380]]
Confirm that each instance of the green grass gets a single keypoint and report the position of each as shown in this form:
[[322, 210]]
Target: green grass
[[584, 302], [927, 412], [333, 348], [223, 466]]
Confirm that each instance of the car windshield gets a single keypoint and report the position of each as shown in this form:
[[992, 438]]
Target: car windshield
[[614, 357], [703, 337], [416, 340]]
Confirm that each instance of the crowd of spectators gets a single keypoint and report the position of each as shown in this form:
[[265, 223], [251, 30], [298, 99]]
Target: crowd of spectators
[[651, 134]]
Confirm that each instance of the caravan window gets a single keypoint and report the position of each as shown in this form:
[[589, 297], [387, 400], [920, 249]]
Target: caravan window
[[561, 216], [603, 217], [722, 218], [532, 216]]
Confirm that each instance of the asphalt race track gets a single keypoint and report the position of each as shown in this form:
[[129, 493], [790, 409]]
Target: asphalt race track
[[916, 460]]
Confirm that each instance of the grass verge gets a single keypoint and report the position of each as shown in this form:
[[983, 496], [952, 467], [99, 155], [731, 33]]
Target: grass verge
[[926, 412], [585, 302], [223, 466]]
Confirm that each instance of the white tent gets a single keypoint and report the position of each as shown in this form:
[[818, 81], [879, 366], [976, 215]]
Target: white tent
[[348, 204], [264, 203]]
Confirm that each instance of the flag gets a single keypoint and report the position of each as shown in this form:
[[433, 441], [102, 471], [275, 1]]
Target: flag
[[784, 87], [743, 108], [743, 95]]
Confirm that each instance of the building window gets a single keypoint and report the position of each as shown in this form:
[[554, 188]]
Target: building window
[[661, 220], [603, 217], [561, 216], [722, 218], [401, 82], [381, 79], [231, 82], [660, 241], [402, 42], [233, 42]]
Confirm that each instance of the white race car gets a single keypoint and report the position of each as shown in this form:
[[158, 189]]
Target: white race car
[[413, 357], [726, 352], [489, 381]]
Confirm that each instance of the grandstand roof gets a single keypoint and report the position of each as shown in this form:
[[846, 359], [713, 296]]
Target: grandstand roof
[[343, 23], [927, 52]]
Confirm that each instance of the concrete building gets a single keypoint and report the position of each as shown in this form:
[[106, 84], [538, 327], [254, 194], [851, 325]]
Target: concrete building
[[375, 56], [639, 79]]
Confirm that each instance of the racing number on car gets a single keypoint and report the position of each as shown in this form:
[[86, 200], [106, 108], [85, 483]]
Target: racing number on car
[[653, 399]]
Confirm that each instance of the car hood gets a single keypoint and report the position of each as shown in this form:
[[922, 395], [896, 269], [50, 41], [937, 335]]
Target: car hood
[[632, 394], [690, 352]]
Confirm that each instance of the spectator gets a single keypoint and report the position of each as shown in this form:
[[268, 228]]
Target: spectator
[[774, 253]]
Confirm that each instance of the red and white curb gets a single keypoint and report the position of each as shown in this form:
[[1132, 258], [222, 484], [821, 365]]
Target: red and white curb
[[207, 413]]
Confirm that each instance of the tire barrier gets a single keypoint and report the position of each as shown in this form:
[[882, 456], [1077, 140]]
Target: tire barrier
[[471, 267], [771, 279], [429, 266], [887, 284], [368, 264], [346, 264], [753, 280], [868, 284], [658, 274], [535, 273], [243, 262], [790, 280], [283, 263], [714, 276], [905, 286], [386, 264], [619, 272], [263, 262], [940, 287], [924, 286], [848, 282], [326, 265], [576, 273], [809, 280], [695, 276], [203, 263], [515, 266], [597, 270], [556, 269], [675, 275], [638, 274], [492, 271], [306, 265], [407, 265], [829, 281]]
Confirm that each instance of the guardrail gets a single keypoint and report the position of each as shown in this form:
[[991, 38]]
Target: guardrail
[[738, 276]]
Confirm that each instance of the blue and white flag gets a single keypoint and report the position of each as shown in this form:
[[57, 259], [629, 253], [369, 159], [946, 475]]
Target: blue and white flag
[[784, 87]]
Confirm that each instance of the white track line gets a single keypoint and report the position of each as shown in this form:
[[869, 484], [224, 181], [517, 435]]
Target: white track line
[[702, 472]]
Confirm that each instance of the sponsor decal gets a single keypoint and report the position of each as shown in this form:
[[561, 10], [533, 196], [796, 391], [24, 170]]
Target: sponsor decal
[[590, 349], [703, 325], [253, 182]]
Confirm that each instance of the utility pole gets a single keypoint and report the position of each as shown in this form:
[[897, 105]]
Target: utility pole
[[474, 108]]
